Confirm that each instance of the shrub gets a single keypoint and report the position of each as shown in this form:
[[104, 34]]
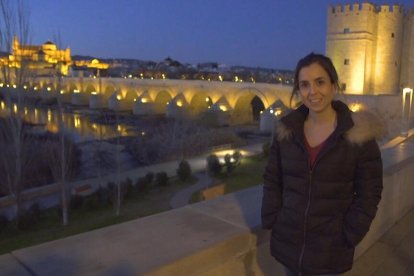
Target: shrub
[[266, 149], [92, 202], [27, 220], [149, 177], [127, 188], [35, 210], [142, 185], [161, 178], [4, 221], [228, 163], [213, 164], [76, 202], [104, 196], [184, 170]]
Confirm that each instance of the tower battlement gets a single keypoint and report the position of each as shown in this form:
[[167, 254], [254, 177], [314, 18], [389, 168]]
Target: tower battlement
[[364, 7]]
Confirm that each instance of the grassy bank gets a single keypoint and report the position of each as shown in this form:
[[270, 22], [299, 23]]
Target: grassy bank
[[48, 225], [248, 174]]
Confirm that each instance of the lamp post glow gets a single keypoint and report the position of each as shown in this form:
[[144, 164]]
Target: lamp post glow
[[407, 102]]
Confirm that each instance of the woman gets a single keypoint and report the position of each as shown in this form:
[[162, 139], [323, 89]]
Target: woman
[[323, 181]]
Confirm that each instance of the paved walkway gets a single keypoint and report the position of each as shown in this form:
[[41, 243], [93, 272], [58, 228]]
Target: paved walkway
[[183, 197], [392, 254]]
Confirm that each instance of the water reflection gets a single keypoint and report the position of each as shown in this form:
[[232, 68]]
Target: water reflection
[[77, 122]]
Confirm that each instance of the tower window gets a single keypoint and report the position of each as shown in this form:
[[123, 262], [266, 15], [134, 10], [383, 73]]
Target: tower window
[[392, 35], [343, 86], [346, 61], [346, 30]]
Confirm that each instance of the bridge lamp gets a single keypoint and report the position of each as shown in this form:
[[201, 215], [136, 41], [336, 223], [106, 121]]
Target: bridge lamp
[[144, 100], [355, 107], [14, 86], [1, 84], [94, 93], [179, 103], [118, 97], [407, 102], [271, 111], [8, 85], [24, 87], [48, 89], [62, 92], [35, 88], [223, 108], [278, 112], [75, 91]]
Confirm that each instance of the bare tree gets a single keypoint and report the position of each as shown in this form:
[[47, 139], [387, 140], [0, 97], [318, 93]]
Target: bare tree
[[15, 23]]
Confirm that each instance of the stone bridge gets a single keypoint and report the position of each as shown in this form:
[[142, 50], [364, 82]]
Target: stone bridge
[[230, 102]]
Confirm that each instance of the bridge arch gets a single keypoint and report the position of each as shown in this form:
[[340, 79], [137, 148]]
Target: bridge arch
[[248, 106], [90, 88], [199, 103], [161, 100]]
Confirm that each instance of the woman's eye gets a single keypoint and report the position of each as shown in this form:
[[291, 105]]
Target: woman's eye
[[320, 82], [303, 85]]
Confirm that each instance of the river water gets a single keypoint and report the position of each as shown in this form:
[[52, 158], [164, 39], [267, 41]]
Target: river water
[[81, 123]]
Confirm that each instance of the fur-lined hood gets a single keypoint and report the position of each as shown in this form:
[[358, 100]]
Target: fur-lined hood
[[357, 127]]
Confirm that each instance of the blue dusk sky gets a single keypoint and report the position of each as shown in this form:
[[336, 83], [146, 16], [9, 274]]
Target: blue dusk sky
[[265, 33]]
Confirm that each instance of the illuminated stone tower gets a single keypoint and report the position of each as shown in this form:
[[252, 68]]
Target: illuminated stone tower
[[368, 45]]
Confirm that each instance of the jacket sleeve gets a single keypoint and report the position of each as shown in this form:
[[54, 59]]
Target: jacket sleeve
[[367, 193], [272, 188]]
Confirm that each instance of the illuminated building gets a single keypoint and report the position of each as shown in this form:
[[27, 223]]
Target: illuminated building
[[43, 59], [372, 47]]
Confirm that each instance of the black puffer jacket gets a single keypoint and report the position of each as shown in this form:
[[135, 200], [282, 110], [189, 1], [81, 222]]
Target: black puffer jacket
[[318, 217]]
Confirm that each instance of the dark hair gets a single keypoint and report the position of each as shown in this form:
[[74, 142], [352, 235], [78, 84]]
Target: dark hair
[[310, 59]]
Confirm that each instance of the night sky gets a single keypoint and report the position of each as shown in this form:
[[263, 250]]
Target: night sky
[[266, 33]]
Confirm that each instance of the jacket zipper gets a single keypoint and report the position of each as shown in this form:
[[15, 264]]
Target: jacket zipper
[[305, 222]]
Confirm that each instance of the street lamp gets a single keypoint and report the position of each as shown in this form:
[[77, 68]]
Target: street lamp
[[407, 102]]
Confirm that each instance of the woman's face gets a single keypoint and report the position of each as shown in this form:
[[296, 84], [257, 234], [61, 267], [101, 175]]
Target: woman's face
[[316, 88]]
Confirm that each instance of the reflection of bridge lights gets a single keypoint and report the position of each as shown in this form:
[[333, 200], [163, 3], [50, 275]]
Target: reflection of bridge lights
[[49, 115], [77, 121], [179, 103], [220, 78], [163, 76], [223, 107], [15, 108], [2, 105]]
